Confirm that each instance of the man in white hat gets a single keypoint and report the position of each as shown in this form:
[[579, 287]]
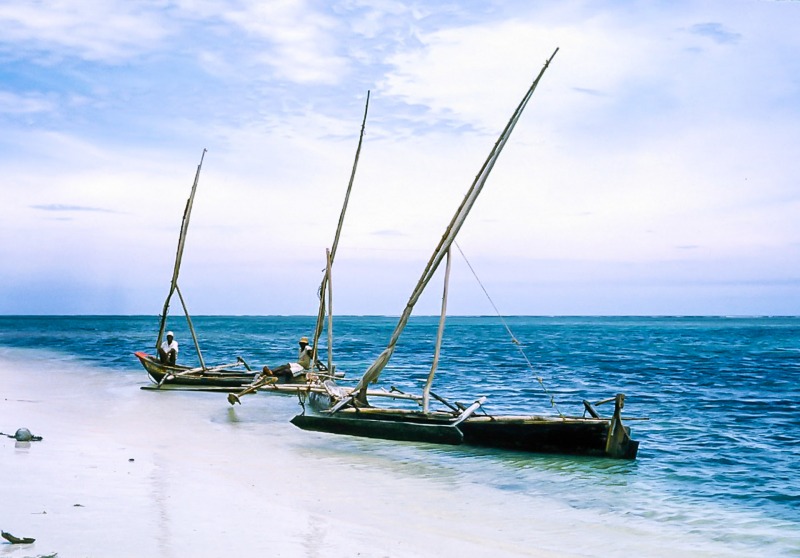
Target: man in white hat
[[168, 351]]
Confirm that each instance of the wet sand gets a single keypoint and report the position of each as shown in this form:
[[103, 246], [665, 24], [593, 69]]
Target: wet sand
[[126, 472]]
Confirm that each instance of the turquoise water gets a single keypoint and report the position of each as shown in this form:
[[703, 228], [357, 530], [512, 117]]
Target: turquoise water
[[718, 455]]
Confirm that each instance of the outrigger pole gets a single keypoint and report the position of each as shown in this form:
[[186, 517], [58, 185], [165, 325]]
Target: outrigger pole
[[187, 213]]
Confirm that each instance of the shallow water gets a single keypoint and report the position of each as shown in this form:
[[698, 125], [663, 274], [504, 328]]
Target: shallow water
[[716, 467]]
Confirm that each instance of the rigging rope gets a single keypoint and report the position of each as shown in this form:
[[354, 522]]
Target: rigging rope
[[510, 333]]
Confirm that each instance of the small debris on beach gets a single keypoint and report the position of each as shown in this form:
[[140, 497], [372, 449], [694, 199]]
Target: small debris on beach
[[16, 540], [23, 435]]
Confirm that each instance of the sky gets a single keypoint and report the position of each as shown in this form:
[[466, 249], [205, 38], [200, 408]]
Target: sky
[[654, 171]]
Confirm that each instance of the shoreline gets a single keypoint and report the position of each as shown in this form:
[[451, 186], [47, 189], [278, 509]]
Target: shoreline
[[128, 472], [125, 472]]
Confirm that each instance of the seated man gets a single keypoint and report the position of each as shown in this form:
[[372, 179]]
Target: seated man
[[168, 351], [288, 372]]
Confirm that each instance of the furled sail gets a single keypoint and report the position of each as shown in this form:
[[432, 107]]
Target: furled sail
[[374, 371]]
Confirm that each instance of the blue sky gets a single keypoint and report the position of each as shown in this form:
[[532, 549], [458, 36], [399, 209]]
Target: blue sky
[[655, 170]]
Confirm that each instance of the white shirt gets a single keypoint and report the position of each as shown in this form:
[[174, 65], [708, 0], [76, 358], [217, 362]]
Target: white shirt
[[304, 357], [167, 347]]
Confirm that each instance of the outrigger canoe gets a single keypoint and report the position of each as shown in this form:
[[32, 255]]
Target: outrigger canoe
[[591, 435], [350, 412], [223, 376]]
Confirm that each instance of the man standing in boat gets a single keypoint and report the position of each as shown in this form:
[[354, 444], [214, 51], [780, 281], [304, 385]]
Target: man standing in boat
[[287, 372], [168, 351]]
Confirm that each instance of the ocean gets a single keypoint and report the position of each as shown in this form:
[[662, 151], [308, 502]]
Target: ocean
[[719, 449]]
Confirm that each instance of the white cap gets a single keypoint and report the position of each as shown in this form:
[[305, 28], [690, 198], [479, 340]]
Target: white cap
[[170, 334]]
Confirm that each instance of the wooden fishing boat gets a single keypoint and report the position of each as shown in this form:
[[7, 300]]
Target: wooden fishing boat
[[177, 375], [599, 437], [349, 411], [224, 375]]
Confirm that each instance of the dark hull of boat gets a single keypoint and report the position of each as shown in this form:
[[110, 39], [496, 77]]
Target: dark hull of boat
[[573, 436], [408, 431], [178, 376]]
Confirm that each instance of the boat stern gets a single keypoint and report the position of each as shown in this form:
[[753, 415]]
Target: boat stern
[[619, 444]]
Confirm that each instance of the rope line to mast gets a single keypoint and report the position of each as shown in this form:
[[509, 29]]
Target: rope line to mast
[[510, 333]]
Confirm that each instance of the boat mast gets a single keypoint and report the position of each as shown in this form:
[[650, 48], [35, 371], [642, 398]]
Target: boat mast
[[426, 391], [374, 371], [328, 263], [187, 213], [326, 278]]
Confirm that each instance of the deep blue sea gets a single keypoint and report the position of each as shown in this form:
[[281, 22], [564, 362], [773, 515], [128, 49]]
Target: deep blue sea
[[719, 453]]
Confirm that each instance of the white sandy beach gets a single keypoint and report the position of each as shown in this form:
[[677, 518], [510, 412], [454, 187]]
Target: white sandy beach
[[127, 472]]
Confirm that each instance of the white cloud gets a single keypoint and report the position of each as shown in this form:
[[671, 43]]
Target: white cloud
[[302, 40], [97, 30], [19, 104]]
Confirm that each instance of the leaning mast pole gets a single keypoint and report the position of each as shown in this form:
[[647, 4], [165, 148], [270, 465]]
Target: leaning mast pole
[[323, 286], [187, 213]]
